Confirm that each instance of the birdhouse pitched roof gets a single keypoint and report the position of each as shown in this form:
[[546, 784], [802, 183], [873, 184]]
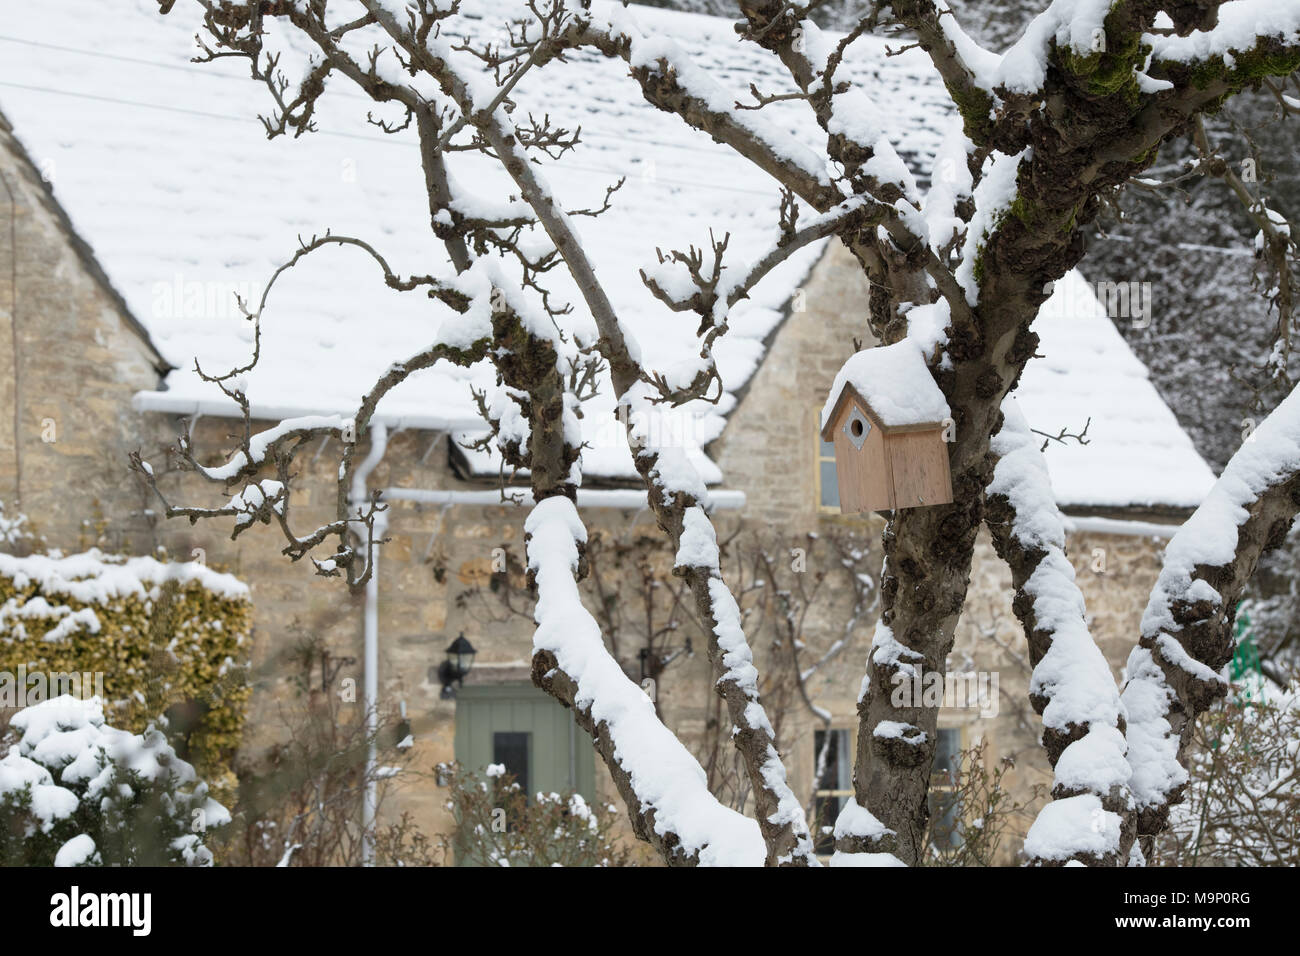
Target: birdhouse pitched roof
[[895, 385]]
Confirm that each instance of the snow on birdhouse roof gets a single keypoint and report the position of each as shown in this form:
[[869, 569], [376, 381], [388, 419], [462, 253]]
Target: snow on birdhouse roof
[[163, 168], [895, 384]]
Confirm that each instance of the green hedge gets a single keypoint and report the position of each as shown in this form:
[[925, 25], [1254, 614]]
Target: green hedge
[[162, 634]]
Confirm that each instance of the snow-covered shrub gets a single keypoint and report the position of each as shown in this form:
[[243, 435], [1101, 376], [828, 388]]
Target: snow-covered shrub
[[76, 792], [498, 825], [162, 635], [1242, 804], [14, 533]]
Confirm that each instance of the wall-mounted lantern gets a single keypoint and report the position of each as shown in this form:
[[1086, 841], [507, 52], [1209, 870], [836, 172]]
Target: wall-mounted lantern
[[890, 424], [452, 671]]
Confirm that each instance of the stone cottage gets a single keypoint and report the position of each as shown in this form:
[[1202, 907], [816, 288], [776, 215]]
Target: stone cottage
[[142, 202]]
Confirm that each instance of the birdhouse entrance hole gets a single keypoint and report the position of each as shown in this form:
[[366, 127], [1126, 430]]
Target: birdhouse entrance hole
[[857, 428]]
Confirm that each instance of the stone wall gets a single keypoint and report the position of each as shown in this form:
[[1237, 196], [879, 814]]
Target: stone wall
[[70, 361]]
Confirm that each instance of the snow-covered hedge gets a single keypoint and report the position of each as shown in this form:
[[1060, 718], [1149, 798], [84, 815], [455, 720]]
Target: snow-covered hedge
[[160, 633], [77, 792], [498, 824], [13, 530]]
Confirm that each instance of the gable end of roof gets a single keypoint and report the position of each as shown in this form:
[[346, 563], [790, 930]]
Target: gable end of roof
[[28, 169]]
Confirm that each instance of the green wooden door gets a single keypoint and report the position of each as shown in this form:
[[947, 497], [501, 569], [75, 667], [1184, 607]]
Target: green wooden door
[[533, 735]]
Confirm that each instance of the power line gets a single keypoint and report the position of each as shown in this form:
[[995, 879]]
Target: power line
[[199, 70], [1189, 246], [387, 140], [183, 67]]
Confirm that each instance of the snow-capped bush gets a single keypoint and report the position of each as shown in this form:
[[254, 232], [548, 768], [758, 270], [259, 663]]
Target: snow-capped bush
[[1242, 805], [13, 532], [77, 792], [163, 634], [496, 824]]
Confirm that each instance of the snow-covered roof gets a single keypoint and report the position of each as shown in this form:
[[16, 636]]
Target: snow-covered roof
[[1137, 454], [894, 382], [163, 168]]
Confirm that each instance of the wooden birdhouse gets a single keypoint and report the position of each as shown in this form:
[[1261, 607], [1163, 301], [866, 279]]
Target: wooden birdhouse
[[887, 419]]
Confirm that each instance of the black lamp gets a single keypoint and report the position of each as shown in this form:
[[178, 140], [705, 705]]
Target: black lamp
[[452, 671]]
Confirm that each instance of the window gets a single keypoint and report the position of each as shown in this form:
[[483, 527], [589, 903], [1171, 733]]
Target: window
[[828, 486], [945, 819], [834, 784], [510, 748]]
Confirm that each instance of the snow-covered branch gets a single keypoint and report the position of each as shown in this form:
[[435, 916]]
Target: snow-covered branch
[[670, 81], [463, 339], [964, 65], [663, 786], [1071, 686], [780, 818]]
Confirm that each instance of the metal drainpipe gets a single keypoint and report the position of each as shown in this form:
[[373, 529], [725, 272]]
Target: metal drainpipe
[[359, 496], [17, 503]]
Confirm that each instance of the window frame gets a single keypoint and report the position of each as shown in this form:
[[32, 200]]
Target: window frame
[[818, 458], [941, 781], [837, 794]]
